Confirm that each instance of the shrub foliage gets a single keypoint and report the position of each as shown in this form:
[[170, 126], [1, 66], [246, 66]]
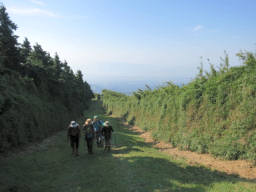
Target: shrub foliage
[[214, 113], [39, 94]]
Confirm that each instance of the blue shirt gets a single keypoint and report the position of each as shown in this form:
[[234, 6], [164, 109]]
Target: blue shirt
[[97, 125]]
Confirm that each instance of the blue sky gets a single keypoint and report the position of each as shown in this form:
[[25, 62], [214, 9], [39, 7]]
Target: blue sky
[[137, 41]]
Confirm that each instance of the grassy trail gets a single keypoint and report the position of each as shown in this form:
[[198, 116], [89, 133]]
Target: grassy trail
[[133, 165]]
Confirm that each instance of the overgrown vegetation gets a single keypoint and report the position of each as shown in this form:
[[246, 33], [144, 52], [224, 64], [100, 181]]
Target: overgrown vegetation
[[215, 113], [133, 165], [39, 94]]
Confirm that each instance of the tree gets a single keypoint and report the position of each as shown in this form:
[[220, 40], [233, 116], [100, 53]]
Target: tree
[[25, 50], [79, 76], [8, 41], [57, 65]]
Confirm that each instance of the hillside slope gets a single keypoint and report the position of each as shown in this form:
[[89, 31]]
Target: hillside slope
[[215, 113]]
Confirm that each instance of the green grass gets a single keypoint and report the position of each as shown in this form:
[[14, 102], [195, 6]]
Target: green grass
[[133, 165]]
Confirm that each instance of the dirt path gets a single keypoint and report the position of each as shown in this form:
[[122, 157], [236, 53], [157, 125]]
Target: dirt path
[[242, 168]]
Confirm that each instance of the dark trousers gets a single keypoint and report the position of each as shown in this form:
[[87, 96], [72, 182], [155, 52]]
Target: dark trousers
[[107, 143], [89, 142], [74, 142]]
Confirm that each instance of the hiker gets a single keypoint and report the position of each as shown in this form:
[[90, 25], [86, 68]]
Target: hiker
[[107, 132], [97, 125], [73, 136], [89, 135]]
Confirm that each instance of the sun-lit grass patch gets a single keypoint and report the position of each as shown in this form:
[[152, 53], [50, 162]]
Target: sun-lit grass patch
[[132, 165]]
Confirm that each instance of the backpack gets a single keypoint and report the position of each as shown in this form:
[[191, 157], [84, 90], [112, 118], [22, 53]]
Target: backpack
[[74, 131], [89, 135], [97, 125], [88, 132]]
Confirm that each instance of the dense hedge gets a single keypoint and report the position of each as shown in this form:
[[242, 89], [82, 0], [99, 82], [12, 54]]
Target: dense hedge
[[215, 113], [39, 94]]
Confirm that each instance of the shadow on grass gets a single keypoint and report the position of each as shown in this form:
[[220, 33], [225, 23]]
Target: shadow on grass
[[154, 173], [158, 173], [132, 165], [126, 142]]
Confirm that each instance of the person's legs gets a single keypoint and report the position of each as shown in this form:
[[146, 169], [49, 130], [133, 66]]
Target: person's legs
[[91, 145], [88, 145], [98, 139], [77, 146], [72, 143], [107, 144]]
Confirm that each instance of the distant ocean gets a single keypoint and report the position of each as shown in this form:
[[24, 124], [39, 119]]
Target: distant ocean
[[129, 87]]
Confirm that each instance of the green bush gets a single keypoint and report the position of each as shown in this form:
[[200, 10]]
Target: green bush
[[214, 113], [39, 94]]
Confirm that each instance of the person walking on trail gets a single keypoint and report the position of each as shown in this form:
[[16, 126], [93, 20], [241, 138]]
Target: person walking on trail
[[73, 136], [107, 133], [89, 134], [97, 125]]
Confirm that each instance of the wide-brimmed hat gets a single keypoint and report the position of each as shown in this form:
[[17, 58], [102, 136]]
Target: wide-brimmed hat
[[73, 124], [106, 123]]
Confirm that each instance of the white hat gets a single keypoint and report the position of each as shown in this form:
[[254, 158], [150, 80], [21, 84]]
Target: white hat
[[106, 123], [73, 124]]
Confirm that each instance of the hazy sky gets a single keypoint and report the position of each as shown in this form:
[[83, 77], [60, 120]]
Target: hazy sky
[[137, 40]]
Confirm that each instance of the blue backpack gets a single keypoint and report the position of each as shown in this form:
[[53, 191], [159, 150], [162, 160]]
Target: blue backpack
[[97, 125]]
